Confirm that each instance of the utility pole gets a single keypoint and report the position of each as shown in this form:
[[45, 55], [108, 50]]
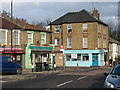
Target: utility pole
[[11, 26]]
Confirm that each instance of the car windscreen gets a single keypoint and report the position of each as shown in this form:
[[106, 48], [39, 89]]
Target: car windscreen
[[116, 70]]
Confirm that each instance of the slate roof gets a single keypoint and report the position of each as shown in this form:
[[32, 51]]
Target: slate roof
[[5, 24], [111, 40], [77, 17]]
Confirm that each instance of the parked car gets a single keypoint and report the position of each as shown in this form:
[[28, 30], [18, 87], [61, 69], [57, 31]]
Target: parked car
[[8, 65], [113, 78]]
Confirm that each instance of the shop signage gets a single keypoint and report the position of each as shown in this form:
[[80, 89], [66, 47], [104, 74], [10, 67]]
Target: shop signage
[[73, 55]]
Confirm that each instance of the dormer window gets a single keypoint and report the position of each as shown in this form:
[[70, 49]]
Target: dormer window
[[69, 28]]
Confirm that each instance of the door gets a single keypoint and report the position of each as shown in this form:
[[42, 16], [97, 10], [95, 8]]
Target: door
[[95, 60], [53, 60]]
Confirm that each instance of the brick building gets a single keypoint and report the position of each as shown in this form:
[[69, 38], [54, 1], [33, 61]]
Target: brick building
[[85, 39], [30, 43]]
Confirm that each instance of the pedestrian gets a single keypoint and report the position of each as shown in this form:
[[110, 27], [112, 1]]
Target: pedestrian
[[110, 62], [54, 66], [45, 60], [32, 67]]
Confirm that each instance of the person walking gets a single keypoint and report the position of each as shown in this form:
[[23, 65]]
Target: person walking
[[45, 60]]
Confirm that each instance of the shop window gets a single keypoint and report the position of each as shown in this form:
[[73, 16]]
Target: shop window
[[85, 28], [57, 29], [69, 28], [68, 57], [85, 57], [79, 56]]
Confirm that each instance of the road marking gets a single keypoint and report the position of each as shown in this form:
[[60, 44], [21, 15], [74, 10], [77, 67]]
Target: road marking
[[64, 83], [81, 78]]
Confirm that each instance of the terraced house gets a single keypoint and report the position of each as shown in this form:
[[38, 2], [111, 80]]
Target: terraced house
[[31, 44], [85, 39]]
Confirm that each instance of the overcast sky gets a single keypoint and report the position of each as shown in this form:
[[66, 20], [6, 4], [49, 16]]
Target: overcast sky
[[53, 10]]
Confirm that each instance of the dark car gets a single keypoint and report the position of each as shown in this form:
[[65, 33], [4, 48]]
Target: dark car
[[8, 65], [113, 78]]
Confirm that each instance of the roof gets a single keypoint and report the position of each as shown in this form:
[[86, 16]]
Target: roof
[[111, 40], [25, 25], [5, 24], [77, 17]]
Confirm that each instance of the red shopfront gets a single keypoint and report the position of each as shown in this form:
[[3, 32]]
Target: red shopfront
[[18, 54]]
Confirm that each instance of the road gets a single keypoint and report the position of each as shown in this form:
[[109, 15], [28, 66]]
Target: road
[[59, 81]]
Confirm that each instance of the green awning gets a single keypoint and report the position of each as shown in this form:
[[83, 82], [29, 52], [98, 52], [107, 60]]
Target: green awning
[[41, 48]]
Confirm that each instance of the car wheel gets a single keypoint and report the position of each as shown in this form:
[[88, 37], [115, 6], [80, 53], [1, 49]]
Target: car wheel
[[19, 71]]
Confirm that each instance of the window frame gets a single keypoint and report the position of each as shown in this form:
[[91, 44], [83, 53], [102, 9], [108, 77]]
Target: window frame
[[43, 38], [30, 37], [68, 28], [18, 38], [68, 43], [85, 42], [56, 44], [6, 31], [85, 29], [57, 29]]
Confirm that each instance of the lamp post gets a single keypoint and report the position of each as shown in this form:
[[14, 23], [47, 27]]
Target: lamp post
[[11, 25]]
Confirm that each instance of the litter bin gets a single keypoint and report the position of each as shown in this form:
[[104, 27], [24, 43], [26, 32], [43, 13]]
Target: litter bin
[[38, 67]]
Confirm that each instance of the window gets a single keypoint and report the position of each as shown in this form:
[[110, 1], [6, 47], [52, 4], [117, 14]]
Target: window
[[68, 57], [99, 42], [57, 42], [85, 57], [30, 37], [69, 28], [18, 57], [98, 27], [85, 27], [16, 37], [57, 29], [104, 43], [85, 42], [79, 56], [3, 37], [43, 38], [69, 42]]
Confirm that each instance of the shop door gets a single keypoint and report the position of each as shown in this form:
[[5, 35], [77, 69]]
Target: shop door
[[53, 60], [95, 60]]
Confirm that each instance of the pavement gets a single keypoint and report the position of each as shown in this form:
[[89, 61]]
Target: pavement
[[27, 73]]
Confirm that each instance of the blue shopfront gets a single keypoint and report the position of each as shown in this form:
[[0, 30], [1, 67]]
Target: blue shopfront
[[84, 58]]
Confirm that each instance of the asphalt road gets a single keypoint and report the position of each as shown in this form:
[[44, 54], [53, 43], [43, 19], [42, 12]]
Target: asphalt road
[[59, 81]]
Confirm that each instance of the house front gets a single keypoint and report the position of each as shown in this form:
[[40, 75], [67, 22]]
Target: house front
[[84, 37]]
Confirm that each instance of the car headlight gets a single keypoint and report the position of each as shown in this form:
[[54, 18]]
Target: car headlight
[[110, 85]]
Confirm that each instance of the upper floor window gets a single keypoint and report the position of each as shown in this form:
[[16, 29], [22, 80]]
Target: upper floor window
[[57, 42], [16, 37], [99, 42], [43, 38], [3, 37], [57, 29], [85, 42], [104, 43], [85, 27], [69, 42], [30, 37], [69, 28]]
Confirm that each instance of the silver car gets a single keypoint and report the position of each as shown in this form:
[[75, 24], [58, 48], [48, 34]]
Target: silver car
[[113, 78]]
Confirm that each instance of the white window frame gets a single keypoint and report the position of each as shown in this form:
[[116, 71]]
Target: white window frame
[[30, 37], [68, 43], [104, 43], [57, 43], [43, 38], [85, 27], [5, 36], [18, 37], [68, 28], [85, 42], [57, 29], [99, 42]]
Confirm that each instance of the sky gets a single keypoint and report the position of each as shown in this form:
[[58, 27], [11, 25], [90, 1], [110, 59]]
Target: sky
[[42, 10]]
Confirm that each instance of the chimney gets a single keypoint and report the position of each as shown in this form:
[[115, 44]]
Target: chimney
[[96, 13]]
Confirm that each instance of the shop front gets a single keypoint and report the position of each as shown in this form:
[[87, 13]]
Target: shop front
[[17, 53], [39, 54], [84, 58]]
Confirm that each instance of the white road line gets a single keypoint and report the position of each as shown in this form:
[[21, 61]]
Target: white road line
[[81, 78], [64, 83]]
